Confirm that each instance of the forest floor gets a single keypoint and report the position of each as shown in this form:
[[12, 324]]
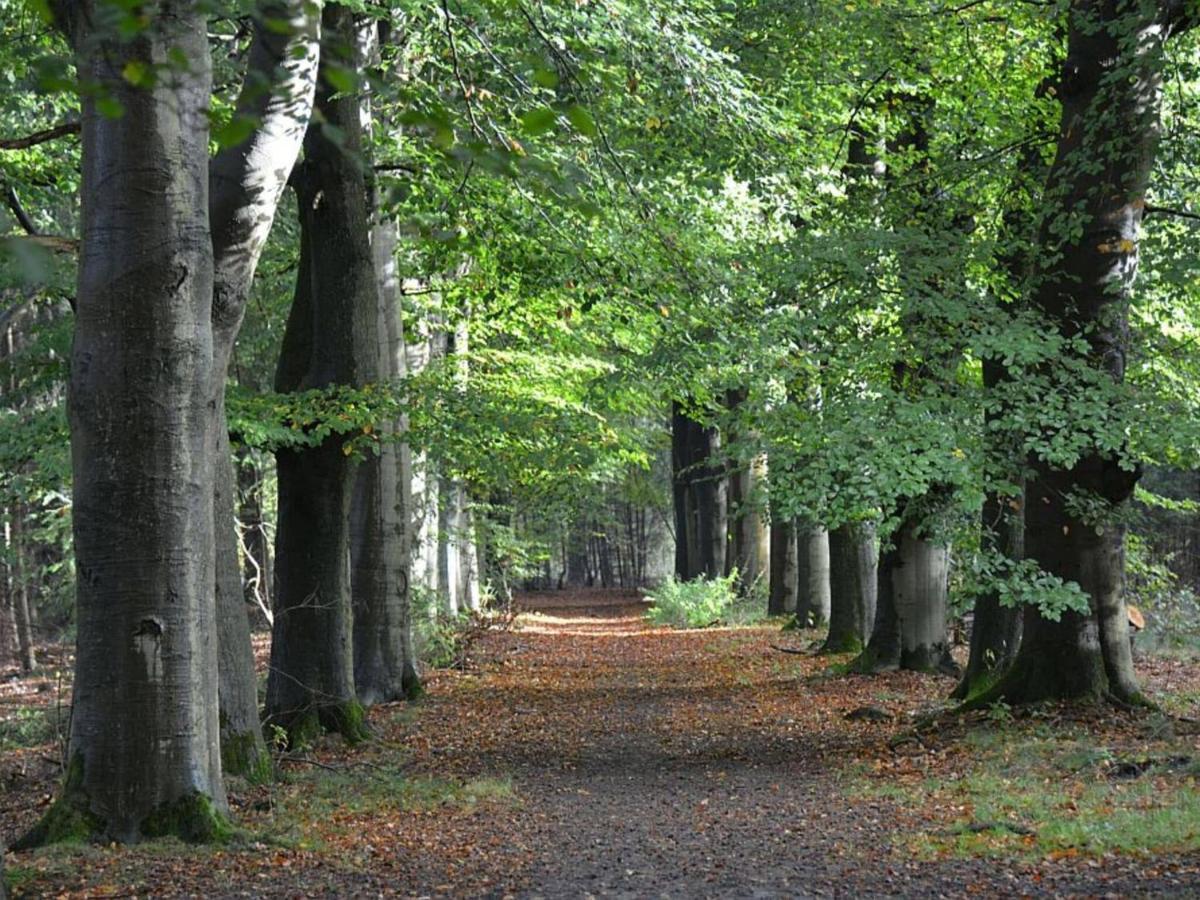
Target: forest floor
[[587, 753]]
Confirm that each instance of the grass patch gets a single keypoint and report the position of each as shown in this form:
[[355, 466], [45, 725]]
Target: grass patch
[[1030, 792], [308, 803], [31, 726], [705, 602]]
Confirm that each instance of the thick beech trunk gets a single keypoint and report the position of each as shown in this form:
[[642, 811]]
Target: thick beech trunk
[[330, 340], [144, 754], [384, 658], [699, 498], [812, 575], [246, 182], [784, 573], [243, 751], [909, 631], [1110, 95], [996, 629], [749, 535], [852, 586]]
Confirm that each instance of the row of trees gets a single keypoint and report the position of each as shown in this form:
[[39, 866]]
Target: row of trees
[[863, 275]]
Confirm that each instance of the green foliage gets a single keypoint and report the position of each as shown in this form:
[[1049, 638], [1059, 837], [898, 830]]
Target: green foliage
[[28, 726], [704, 602]]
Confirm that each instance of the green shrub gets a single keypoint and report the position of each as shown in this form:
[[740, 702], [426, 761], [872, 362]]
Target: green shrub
[[702, 602]]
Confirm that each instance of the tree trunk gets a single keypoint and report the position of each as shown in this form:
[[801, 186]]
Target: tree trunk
[[257, 571], [246, 181], [921, 596], [22, 615], [910, 628], [784, 573], [1109, 96], [700, 498], [996, 629], [330, 339], [812, 575], [384, 658], [144, 752], [749, 535], [852, 587]]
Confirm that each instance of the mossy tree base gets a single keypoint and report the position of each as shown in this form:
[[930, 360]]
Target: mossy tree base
[[874, 661], [192, 818], [302, 727], [245, 755], [410, 683], [842, 643]]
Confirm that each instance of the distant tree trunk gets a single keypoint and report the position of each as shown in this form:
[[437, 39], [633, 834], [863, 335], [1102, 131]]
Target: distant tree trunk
[[995, 629], [381, 512], [257, 571], [882, 652], [749, 535], [812, 575], [144, 751], [22, 614], [1109, 96], [700, 498], [852, 586], [910, 628], [246, 181], [784, 573], [330, 339]]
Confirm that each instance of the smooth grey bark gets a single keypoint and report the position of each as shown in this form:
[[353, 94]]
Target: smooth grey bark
[[784, 573], [996, 629], [910, 626], [1110, 96], [330, 339], [921, 596], [852, 586], [19, 592], [812, 575], [381, 512], [749, 535], [246, 182], [144, 752], [699, 492]]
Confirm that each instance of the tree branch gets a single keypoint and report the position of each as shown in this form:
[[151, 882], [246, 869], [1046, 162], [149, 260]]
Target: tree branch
[[14, 204], [39, 137], [1168, 211]]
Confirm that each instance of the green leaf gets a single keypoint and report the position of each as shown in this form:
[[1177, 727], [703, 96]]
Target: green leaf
[[582, 120], [538, 121]]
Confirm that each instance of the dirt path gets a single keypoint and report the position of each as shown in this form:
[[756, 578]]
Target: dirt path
[[592, 755]]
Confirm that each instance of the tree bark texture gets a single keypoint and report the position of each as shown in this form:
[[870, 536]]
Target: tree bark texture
[[384, 659], [852, 586], [246, 181], [144, 752], [699, 498], [749, 535], [995, 629], [784, 573], [812, 575], [330, 339], [1110, 95]]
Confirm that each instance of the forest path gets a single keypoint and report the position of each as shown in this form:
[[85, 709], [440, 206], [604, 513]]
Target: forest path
[[589, 754], [649, 762]]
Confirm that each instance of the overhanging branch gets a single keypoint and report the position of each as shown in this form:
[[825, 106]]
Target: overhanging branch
[[39, 137]]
